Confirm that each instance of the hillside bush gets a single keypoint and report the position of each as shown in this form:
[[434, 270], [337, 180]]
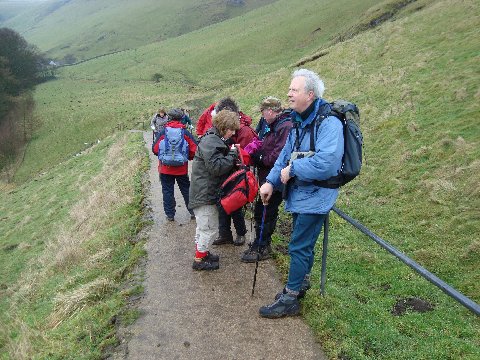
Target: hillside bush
[[20, 69]]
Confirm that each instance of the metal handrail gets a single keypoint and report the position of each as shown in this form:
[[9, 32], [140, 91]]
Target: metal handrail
[[462, 299]]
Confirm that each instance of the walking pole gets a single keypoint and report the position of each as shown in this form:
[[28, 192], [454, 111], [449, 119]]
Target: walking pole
[[258, 248], [252, 207]]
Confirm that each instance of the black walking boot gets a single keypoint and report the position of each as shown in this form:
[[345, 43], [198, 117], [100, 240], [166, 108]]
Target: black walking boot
[[301, 293], [286, 305], [212, 257], [250, 255], [239, 241], [204, 264], [223, 239]]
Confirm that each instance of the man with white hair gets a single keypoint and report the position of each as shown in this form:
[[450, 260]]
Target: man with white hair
[[313, 152]]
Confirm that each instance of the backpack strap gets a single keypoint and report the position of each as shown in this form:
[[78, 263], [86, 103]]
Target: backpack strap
[[316, 124], [277, 125], [166, 139], [204, 135], [299, 139]]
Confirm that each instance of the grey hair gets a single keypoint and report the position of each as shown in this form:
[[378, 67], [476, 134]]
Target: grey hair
[[312, 81]]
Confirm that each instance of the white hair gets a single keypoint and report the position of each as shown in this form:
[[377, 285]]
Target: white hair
[[312, 81]]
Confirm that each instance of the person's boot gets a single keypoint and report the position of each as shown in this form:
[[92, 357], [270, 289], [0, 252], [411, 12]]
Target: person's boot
[[250, 255], [301, 293], [223, 239], [239, 241], [286, 305], [212, 257], [204, 263], [304, 287]]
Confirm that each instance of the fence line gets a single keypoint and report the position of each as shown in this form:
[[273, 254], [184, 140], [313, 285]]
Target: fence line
[[462, 299]]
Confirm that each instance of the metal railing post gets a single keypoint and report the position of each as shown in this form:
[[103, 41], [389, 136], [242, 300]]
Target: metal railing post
[[324, 255]]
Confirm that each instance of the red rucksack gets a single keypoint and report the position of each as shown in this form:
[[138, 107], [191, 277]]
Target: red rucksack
[[239, 189]]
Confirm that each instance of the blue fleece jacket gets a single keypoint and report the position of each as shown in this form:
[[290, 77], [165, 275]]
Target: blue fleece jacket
[[303, 196]]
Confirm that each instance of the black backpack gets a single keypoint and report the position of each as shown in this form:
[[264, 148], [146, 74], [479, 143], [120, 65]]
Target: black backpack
[[349, 115]]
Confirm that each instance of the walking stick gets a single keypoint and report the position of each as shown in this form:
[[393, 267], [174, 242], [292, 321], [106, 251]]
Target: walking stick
[[258, 248], [252, 207]]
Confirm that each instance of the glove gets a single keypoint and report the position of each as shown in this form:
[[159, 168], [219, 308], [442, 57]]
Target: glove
[[257, 158]]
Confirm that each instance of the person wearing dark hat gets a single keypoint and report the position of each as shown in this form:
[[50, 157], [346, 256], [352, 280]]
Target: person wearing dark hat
[[171, 170], [278, 123]]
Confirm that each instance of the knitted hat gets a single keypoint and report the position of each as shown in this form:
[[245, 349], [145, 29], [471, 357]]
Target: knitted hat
[[175, 114], [227, 103], [272, 103]]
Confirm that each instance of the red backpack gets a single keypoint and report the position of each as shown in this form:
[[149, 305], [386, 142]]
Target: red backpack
[[239, 189]]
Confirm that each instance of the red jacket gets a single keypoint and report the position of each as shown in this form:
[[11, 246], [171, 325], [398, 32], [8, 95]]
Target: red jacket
[[192, 147], [205, 120], [245, 134], [242, 137]]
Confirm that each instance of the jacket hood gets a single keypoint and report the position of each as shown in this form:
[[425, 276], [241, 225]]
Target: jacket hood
[[245, 119]]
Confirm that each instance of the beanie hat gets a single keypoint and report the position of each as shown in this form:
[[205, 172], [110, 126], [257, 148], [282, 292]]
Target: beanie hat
[[272, 103], [175, 114], [226, 103]]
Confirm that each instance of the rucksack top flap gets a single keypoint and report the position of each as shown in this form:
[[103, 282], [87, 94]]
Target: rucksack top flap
[[346, 110]]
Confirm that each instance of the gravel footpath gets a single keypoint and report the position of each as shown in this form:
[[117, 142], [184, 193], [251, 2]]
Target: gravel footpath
[[206, 315]]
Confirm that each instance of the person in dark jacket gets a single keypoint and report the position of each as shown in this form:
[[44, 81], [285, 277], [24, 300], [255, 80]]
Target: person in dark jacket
[[243, 136], [260, 128], [170, 174], [186, 118], [277, 126], [213, 162]]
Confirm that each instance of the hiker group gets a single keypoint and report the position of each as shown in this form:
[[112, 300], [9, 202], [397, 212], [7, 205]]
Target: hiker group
[[295, 154]]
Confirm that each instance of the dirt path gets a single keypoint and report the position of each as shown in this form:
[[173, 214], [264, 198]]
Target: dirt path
[[207, 315]]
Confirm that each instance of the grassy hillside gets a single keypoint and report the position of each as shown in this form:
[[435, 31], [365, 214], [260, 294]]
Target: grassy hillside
[[91, 99], [415, 79], [67, 249], [84, 29], [11, 8]]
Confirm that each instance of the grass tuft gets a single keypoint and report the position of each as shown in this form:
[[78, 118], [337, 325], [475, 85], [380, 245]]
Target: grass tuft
[[66, 305]]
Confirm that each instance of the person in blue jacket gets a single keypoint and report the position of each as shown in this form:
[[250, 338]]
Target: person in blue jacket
[[300, 168]]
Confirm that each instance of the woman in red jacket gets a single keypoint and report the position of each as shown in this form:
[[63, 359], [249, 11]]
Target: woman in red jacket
[[171, 173]]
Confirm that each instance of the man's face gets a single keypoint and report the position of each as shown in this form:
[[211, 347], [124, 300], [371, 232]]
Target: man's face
[[298, 98]]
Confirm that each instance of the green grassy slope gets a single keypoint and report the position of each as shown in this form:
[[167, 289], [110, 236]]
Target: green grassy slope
[[10, 8], [66, 252], [86, 29]]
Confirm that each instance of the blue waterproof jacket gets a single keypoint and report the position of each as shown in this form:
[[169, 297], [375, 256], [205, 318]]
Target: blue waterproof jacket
[[304, 197]]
